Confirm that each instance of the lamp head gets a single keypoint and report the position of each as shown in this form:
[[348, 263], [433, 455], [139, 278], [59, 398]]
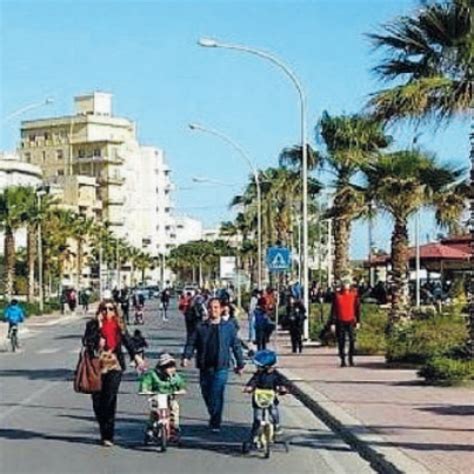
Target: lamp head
[[208, 43]]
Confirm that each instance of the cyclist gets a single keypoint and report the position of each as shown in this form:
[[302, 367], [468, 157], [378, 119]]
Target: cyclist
[[14, 315], [266, 378], [164, 379]]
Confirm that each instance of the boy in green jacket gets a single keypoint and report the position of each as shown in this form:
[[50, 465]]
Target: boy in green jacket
[[164, 379]]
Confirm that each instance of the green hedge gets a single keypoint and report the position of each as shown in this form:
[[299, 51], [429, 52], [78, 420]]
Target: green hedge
[[418, 341], [371, 337], [32, 309], [447, 371]]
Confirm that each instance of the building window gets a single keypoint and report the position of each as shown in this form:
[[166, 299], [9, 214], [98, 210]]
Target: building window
[[46, 135], [60, 173], [28, 157], [32, 137], [43, 154], [59, 154], [157, 227], [97, 152], [81, 153]]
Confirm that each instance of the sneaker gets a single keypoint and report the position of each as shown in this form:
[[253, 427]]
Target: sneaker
[[215, 429], [107, 443], [351, 362], [343, 363]]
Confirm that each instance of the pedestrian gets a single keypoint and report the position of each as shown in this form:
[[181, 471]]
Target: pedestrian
[[195, 313], [345, 318], [13, 315], [84, 299], [213, 341], [104, 336], [139, 343], [125, 304], [263, 324], [228, 313], [165, 302], [256, 294], [296, 315], [72, 300]]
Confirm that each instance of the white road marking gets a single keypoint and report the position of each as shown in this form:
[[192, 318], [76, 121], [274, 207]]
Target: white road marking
[[51, 350], [29, 399]]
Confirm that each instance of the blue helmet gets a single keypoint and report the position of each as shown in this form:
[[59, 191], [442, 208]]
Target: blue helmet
[[265, 358]]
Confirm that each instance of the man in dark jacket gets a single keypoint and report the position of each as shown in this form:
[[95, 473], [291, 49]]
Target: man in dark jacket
[[296, 314], [213, 341], [345, 317]]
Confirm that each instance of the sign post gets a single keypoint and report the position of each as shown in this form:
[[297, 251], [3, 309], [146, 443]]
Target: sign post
[[278, 261]]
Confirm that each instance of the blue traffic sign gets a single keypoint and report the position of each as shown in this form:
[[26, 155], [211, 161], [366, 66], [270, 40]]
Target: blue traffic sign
[[278, 259]]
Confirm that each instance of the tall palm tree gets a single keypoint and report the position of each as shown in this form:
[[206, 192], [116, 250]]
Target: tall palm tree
[[83, 228], [431, 53], [401, 183], [13, 216], [37, 212], [351, 141]]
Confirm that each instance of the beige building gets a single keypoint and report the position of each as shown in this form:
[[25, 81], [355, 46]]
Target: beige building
[[90, 143]]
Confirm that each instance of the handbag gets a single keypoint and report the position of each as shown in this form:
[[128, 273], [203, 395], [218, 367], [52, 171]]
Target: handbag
[[88, 377]]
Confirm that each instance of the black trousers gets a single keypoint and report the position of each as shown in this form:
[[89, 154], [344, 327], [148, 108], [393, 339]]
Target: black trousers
[[343, 329], [296, 335], [261, 339], [105, 403]]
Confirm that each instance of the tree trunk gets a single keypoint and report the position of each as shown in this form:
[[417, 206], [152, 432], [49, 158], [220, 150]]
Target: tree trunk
[[80, 258], [342, 232], [31, 245], [9, 261], [399, 310]]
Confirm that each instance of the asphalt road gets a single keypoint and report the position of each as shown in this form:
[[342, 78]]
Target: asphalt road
[[47, 428]]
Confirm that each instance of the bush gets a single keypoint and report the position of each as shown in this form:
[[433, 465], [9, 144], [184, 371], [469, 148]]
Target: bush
[[32, 309], [318, 320], [371, 337], [447, 371], [418, 341]]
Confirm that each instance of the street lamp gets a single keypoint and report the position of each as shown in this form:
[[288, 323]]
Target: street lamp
[[203, 180], [40, 192], [244, 155], [212, 43], [26, 108]]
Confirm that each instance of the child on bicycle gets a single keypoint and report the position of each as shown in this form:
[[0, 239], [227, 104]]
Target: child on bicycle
[[164, 379], [13, 315], [267, 378]]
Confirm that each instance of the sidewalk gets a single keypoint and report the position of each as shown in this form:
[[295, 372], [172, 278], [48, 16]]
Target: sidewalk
[[388, 412]]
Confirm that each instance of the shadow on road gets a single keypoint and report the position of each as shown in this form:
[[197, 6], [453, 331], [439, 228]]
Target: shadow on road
[[39, 374], [18, 434]]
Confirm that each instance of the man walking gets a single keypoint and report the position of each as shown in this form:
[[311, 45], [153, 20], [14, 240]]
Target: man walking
[[345, 317], [213, 341], [296, 314]]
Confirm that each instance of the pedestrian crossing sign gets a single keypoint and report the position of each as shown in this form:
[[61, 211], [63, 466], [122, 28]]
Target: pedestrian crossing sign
[[278, 259]]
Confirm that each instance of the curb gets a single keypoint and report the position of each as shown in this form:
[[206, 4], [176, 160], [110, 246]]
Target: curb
[[371, 446]]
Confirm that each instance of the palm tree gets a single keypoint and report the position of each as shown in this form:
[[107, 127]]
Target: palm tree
[[351, 141], [13, 207], [37, 212], [431, 54], [401, 183], [83, 228]]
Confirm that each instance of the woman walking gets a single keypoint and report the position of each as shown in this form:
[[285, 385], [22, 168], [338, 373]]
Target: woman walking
[[103, 338]]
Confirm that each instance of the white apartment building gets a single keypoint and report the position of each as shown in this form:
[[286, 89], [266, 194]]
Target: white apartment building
[[186, 229], [132, 182], [14, 172]]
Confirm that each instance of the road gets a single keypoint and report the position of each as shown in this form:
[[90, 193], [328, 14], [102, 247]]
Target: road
[[47, 428]]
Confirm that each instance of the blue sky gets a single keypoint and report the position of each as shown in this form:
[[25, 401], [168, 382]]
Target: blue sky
[[145, 53]]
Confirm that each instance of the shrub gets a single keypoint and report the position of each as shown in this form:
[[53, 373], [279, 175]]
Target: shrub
[[371, 338], [418, 341], [447, 371]]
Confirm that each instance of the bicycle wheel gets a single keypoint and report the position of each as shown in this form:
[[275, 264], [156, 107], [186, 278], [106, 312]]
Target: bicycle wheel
[[14, 341], [163, 436], [267, 440]]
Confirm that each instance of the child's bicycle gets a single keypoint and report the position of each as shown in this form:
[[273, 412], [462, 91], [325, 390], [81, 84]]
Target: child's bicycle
[[14, 342], [160, 431], [265, 436]]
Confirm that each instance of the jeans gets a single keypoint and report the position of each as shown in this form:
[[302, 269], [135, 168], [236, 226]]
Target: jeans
[[341, 330], [261, 339], [258, 417], [251, 327], [105, 404], [213, 382]]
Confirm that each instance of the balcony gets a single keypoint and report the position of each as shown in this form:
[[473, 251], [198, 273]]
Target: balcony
[[114, 221], [100, 159], [111, 180], [114, 201]]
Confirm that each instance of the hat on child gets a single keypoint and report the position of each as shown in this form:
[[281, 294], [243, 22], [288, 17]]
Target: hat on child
[[165, 359]]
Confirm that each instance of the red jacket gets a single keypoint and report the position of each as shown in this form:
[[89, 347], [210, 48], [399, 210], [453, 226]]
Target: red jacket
[[346, 307]]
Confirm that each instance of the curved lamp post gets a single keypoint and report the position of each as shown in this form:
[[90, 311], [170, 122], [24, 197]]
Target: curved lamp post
[[212, 43], [244, 155], [27, 108]]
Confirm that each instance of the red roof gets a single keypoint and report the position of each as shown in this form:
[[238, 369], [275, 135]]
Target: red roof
[[439, 251]]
